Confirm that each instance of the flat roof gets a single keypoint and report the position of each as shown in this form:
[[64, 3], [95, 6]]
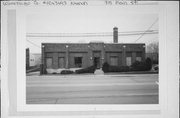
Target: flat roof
[[100, 43]]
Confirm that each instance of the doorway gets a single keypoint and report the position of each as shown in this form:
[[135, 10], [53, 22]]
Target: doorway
[[97, 59], [97, 62]]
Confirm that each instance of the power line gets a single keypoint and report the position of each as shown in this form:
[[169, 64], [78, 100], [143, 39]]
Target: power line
[[102, 34], [34, 44], [95, 32], [155, 39], [146, 30]]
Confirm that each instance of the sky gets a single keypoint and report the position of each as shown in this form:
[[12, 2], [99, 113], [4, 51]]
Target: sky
[[88, 20]]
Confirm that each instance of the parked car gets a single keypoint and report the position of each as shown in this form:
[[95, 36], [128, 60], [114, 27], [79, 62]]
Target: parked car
[[156, 67]]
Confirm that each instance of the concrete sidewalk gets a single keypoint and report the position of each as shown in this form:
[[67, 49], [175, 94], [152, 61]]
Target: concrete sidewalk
[[90, 74]]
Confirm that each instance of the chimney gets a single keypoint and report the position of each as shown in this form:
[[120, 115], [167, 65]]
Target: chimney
[[115, 35]]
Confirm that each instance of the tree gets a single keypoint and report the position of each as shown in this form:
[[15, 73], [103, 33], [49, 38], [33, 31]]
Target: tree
[[153, 47]]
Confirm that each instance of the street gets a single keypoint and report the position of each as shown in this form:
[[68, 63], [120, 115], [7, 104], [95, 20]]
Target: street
[[93, 89]]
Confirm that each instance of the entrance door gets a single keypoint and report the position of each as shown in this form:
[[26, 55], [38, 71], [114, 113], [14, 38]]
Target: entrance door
[[97, 59], [97, 62]]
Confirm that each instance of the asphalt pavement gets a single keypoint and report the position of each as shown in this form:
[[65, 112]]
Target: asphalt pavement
[[92, 89]]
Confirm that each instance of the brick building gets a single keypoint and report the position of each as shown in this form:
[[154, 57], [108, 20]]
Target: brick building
[[82, 55]]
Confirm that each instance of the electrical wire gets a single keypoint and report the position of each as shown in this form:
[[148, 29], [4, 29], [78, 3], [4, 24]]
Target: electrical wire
[[147, 30], [33, 44], [102, 34]]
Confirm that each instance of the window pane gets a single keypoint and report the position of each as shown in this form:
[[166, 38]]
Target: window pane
[[128, 61], [138, 58]]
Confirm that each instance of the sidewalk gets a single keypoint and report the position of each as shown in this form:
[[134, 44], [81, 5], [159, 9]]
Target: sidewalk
[[92, 74], [134, 72]]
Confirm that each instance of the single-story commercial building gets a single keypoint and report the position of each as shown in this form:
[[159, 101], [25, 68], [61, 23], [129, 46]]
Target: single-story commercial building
[[82, 55]]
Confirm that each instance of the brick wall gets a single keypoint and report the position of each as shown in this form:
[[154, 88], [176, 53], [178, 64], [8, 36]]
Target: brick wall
[[87, 52]]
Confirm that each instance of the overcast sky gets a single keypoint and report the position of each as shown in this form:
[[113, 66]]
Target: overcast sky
[[89, 20]]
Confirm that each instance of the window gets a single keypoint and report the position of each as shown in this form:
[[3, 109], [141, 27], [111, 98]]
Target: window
[[128, 61], [49, 62], [114, 60], [138, 59], [78, 62], [61, 62]]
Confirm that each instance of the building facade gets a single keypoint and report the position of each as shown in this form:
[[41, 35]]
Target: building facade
[[35, 59], [78, 55], [67, 55]]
